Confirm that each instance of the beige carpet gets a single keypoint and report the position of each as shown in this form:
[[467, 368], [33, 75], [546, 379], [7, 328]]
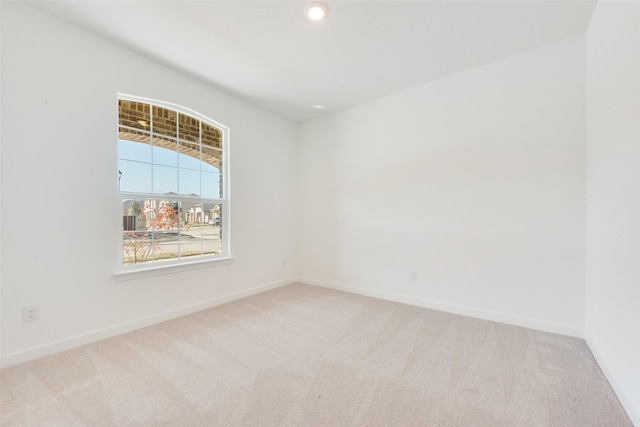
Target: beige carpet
[[308, 356]]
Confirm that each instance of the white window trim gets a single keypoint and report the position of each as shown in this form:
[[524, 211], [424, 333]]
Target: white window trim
[[168, 267], [135, 271]]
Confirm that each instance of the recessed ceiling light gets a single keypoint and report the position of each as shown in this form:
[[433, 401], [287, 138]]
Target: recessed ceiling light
[[317, 11], [318, 106]]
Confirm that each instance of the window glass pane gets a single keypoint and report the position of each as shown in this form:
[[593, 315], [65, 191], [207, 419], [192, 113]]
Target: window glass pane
[[211, 242], [164, 152], [165, 121], [208, 209], [136, 176], [191, 241], [137, 247], [134, 114], [189, 155], [137, 244], [165, 180], [211, 185], [169, 246], [133, 214], [163, 215], [212, 236], [187, 213], [134, 150], [189, 181], [165, 220], [189, 128], [211, 136], [212, 160], [133, 135]]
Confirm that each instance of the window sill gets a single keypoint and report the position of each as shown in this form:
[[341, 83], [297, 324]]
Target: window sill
[[158, 270]]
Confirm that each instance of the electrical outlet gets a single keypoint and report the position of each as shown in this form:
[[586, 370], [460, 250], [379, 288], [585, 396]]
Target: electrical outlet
[[413, 275], [31, 313]]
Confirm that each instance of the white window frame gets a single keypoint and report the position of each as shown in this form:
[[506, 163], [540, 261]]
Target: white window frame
[[130, 271]]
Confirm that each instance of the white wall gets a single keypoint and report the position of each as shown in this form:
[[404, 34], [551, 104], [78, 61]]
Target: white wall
[[59, 201], [613, 197], [476, 181]]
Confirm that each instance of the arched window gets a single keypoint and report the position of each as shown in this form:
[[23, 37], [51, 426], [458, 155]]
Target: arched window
[[172, 175]]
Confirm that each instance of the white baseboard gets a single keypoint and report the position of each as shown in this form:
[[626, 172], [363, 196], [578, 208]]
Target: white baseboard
[[79, 340], [555, 328], [632, 408]]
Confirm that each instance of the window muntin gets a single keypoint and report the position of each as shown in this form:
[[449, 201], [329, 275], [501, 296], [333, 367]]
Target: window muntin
[[173, 198]]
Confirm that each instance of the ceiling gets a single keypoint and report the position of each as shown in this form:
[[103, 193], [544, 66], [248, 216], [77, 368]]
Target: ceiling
[[269, 54]]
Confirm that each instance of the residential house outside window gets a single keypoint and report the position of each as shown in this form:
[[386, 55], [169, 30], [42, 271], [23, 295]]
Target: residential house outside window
[[172, 179]]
